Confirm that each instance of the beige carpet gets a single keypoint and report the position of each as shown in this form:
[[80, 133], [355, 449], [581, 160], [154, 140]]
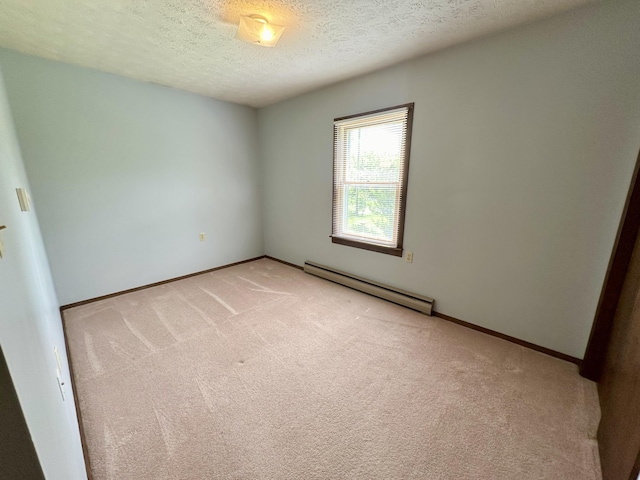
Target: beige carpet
[[260, 371]]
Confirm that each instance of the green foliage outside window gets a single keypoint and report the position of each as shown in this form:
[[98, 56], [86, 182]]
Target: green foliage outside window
[[370, 210], [371, 203]]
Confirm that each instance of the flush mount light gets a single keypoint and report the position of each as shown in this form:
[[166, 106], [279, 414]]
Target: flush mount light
[[257, 30]]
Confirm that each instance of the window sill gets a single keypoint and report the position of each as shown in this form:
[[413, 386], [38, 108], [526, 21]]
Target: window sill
[[395, 251]]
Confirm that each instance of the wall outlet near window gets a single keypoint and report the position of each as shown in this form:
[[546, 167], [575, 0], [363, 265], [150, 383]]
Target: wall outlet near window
[[408, 257], [202, 236]]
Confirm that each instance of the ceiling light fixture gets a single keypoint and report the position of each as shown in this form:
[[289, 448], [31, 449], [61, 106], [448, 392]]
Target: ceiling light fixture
[[257, 30]]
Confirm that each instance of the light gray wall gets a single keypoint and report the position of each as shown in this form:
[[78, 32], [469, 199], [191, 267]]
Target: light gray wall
[[30, 324], [523, 148], [127, 174]]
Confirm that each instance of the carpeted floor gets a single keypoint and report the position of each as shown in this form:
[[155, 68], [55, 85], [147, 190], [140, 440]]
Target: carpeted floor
[[260, 371]]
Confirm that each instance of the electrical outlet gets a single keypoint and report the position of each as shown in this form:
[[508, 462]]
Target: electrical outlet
[[60, 384], [202, 236], [408, 257], [58, 370]]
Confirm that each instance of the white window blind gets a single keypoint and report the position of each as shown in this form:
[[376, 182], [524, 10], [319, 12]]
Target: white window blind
[[371, 156]]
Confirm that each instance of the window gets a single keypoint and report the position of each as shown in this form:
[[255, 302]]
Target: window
[[370, 171]]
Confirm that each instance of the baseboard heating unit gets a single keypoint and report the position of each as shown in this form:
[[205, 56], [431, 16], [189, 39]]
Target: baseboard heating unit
[[395, 295]]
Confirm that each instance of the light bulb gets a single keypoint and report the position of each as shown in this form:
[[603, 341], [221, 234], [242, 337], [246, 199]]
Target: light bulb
[[257, 30], [266, 34]]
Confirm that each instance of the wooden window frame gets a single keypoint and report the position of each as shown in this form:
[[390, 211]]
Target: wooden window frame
[[372, 246]]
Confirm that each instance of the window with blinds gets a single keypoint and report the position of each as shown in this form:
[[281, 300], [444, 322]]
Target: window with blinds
[[370, 172]]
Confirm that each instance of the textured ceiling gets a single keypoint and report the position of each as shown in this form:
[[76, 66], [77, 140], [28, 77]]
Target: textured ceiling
[[190, 44]]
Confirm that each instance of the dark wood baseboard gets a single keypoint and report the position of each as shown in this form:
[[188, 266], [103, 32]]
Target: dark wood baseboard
[[83, 438], [509, 338], [163, 282], [472, 326], [478, 328], [286, 263]]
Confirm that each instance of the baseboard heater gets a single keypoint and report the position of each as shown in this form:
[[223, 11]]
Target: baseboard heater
[[395, 295]]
